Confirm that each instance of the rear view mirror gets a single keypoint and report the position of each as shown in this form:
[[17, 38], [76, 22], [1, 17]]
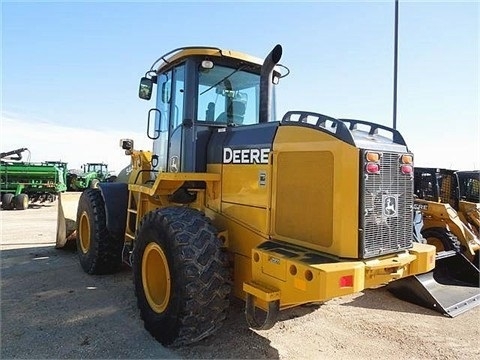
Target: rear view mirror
[[145, 89]]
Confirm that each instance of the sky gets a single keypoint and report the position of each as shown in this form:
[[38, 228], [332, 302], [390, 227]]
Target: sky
[[70, 70]]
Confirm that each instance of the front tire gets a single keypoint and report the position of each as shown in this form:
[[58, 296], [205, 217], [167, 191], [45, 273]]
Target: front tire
[[98, 251], [181, 276]]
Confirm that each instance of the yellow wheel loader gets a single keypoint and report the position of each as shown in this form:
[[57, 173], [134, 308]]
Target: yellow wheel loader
[[279, 213], [450, 203]]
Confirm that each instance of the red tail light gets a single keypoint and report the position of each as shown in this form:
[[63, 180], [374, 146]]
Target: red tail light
[[372, 168], [406, 169]]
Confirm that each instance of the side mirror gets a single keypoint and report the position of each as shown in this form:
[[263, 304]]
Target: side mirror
[[145, 89]]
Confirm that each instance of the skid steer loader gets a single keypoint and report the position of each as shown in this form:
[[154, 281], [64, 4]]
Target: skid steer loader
[[281, 213], [450, 203]]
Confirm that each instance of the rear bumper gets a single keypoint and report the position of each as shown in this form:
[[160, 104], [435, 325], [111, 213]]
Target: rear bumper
[[294, 275]]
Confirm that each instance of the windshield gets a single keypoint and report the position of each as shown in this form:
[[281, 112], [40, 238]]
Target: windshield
[[97, 167], [227, 95]]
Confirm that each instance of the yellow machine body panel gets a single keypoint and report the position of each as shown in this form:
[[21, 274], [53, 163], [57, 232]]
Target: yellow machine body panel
[[315, 205], [469, 213]]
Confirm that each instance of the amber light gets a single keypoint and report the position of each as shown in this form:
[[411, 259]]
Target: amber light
[[406, 169], [373, 157], [406, 159], [346, 281], [372, 168]]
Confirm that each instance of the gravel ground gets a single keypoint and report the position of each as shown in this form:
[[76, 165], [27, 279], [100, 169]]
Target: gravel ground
[[51, 309]]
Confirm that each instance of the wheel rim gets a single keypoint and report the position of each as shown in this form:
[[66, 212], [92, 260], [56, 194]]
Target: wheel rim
[[156, 277], [25, 202], [436, 242], [84, 228]]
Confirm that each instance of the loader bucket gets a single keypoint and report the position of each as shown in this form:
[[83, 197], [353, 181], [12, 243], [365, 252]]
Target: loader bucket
[[451, 288], [66, 218]]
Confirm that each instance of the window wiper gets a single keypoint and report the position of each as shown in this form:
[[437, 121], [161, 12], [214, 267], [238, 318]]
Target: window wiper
[[225, 78]]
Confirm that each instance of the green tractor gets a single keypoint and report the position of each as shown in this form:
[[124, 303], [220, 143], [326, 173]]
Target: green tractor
[[89, 177]]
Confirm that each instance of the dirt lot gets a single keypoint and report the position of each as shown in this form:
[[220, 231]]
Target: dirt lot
[[51, 309]]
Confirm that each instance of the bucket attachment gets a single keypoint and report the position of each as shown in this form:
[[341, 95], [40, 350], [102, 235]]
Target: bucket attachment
[[451, 288], [66, 218]]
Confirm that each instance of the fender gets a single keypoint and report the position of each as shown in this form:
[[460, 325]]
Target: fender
[[115, 196]]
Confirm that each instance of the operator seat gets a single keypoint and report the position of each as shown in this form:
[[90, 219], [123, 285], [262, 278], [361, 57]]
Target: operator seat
[[234, 114]]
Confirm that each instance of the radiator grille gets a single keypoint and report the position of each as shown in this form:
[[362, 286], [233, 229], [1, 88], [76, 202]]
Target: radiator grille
[[387, 204]]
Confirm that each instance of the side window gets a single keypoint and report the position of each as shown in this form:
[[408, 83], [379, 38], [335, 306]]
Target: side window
[[178, 96], [164, 95]]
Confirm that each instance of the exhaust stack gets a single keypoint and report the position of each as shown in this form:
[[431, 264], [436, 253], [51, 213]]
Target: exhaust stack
[[266, 83]]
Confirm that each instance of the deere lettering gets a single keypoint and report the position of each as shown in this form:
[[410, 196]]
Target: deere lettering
[[245, 156]]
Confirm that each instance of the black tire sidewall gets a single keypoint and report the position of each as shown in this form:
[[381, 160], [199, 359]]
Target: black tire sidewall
[[104, 253], [7, 201], [199, 275]]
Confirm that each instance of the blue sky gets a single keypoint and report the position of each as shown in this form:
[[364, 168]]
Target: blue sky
[[74, 68]]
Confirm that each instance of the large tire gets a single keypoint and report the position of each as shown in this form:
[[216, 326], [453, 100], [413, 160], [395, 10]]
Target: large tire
[[181, 276], [7, 201], [98, 251], [442, 239]]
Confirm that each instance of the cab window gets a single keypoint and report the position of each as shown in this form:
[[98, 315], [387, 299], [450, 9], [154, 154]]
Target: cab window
[[228, 96]]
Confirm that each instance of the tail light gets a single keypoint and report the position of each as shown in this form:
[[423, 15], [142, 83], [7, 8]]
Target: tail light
[[406, 164], [372, 168], [373, 164], [406, 169]]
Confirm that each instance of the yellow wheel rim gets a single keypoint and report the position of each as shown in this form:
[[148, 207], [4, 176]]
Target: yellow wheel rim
[[436, 242], [156, 277], [84, 228]]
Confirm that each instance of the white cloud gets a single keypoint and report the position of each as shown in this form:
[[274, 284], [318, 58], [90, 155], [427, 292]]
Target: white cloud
[[51, 142]]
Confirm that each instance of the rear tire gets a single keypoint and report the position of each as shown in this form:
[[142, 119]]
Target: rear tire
[[98, 251], [181, 276], [21, 202], [442, 239], [7, 201]]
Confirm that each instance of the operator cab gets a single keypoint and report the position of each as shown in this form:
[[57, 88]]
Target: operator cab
[[198, 91]]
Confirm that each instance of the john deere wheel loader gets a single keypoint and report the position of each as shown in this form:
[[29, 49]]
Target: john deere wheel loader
[[281, 213], [450, 203]]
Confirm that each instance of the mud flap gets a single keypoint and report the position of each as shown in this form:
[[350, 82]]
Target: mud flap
[[451, 288]]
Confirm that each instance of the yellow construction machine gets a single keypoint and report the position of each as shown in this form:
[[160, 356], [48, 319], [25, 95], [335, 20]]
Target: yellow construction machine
[[450, 203], [279, 213]]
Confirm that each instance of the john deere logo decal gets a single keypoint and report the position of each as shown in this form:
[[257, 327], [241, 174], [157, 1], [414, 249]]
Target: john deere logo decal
[[389, 205]]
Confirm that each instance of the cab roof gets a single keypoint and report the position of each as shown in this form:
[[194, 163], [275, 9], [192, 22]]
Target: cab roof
[[177, 55]]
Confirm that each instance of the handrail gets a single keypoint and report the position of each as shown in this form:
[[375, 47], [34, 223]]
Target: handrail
[[396, 136], [337, 128]]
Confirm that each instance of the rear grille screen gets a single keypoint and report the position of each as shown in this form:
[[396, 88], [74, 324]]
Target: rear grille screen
[[386, 208]]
